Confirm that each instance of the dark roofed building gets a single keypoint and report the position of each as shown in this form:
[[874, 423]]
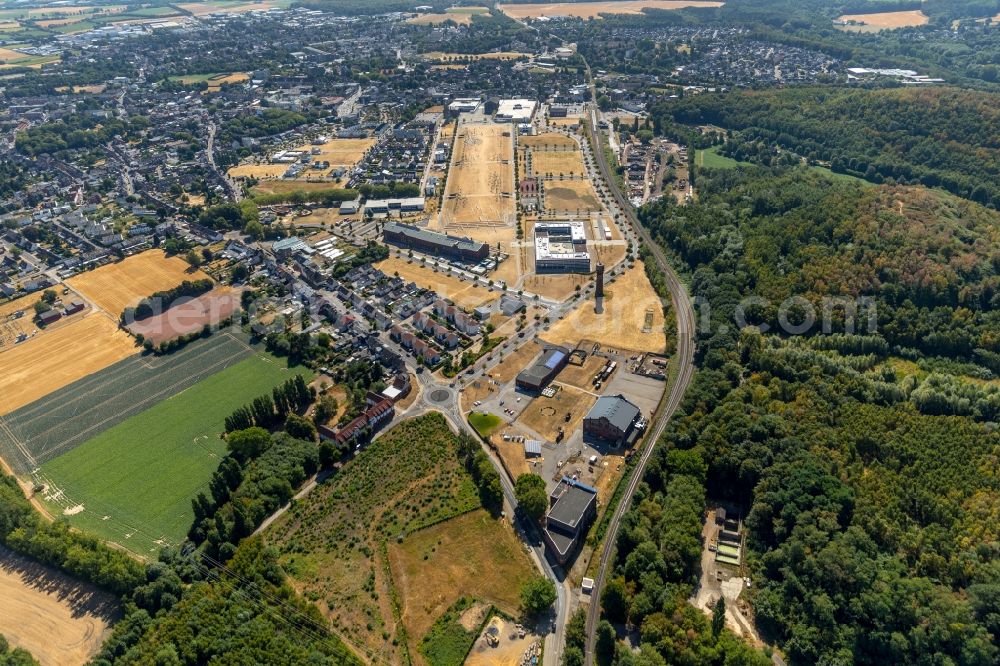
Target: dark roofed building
[[612, 418], [573, 506], [409, 236], [538, 375]]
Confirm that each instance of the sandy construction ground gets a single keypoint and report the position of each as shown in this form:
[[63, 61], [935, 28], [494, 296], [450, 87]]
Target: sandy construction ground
[[117, 286], [258, 171], [570, 196], [595, 9], [556, 287], [555, 162], [546, 415], [499, 55], [510, 650], [60, 621], [883, 20], [632, 317], [480, 187], [460, 15], [48, 362], [547, 140], [463, 294]]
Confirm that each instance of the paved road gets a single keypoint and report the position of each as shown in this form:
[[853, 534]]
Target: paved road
[[684, 355]]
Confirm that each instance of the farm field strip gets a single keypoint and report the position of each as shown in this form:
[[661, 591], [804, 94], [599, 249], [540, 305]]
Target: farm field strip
[[133, 483], [66, 418], [61, 621], [595, 9], [49, 362], [883, 20], [114, 287]]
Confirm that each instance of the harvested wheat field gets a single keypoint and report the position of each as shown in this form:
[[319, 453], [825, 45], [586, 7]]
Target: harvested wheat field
[[632, 317], [60, 621], [480, 187], [117, 286], [51, 361], [258, 171], [882, 21], [472, 555], [340, 152], [595, 9], [557, 162], [463, 294], [460, 15], [570, 196]]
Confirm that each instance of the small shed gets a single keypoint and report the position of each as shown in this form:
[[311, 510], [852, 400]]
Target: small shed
[[532, 448]]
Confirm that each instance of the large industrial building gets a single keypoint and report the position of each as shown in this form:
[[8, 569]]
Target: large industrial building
[[517, 111], [573, 506], [537, 376], [612, 418], [561, 247], [409, 236]]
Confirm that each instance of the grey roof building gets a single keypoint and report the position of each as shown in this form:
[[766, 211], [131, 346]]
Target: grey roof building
[[538, 375], [573, 506], [612, 417], [409, 236]]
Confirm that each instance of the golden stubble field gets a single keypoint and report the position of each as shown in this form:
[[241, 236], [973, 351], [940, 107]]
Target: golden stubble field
[[480, 187], [883, 20], [60, 621], [117, 286], [60, 357], [595, 9], [632, 317]]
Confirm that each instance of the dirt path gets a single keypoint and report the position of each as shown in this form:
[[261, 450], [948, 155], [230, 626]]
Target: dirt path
[[60, 621]]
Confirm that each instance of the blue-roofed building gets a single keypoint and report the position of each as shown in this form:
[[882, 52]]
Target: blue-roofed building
[[538, 375]]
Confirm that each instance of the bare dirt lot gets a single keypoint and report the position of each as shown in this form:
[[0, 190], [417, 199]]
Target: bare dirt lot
[[570, 196], [188, 317], [48, 362], [558, 287], [632, 317], [460, 15], [547, 140], [471, 555], [595, 9], [509, 650], [480, 187], [463, 294], [441, 56], [546, 415], [59, 620], [883, 20], [258, 171], [556, 162], [117, 286]]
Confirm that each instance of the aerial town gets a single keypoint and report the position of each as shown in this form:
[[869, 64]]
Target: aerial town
[[496, 334]]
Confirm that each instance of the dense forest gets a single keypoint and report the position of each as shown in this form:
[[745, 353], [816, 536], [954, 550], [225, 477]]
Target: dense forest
[[938, 137], [865, 462]]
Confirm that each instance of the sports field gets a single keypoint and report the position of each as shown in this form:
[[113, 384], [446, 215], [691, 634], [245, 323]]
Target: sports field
[[68, 417], [480, 187], [133, 484], [595, 9], [570, 196], [59, 357], [117, 286]]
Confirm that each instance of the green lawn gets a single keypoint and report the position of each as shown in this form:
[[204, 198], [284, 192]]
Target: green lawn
[[711, 159], [136, 480], [484, 423]]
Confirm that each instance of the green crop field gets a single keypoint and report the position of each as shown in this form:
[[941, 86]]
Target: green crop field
[[135, 481]]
